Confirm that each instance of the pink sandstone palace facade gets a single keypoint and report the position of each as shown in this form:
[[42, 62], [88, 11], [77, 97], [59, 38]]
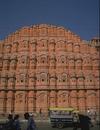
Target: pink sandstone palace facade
[[45, 66]]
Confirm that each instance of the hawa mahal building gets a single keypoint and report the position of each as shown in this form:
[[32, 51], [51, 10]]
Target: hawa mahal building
[[45, 66]]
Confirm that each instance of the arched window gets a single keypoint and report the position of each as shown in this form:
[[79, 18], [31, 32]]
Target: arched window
[[33, 61], [71, 62], [89, 81], [60, 31], [15, 47], [20, 99], [41, 101], [91, 99], [63, 99], [73, 80], [52, 99], [52, 45], [60, 45], [52, 60], [95, 63], [64, 77], [69, 46], [42, 45], [44, 77], [7, 48], [43, 59], [22, 78], [87, 64], [76, 47], [63, 59], [78, 62], [10, 101], [33, 45], [13, 62]]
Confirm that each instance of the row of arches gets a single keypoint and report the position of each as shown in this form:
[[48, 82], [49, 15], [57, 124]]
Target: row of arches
[[49, 45], [34, 101], [51, 80], [33, 61]]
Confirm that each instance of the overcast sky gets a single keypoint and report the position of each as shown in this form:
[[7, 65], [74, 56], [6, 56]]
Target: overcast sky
[[80, 16]]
